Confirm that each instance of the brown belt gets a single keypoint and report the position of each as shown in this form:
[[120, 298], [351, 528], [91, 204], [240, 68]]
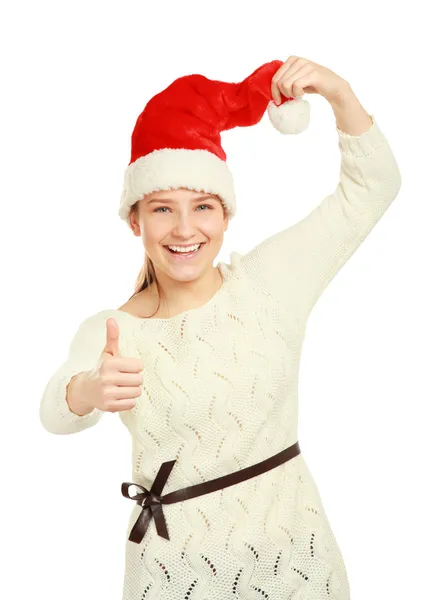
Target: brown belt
[[151, 501]]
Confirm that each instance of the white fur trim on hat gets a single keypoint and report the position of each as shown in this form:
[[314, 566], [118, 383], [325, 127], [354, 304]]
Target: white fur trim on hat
[[167, 169], [292, 116]]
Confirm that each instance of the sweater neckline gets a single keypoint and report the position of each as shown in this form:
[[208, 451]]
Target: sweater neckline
[[191, 311]]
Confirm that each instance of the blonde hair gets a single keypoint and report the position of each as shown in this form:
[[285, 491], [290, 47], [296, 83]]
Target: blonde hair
[[147, 275]]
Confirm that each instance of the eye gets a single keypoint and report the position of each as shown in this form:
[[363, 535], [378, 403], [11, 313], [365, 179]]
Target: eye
[[163, 207]]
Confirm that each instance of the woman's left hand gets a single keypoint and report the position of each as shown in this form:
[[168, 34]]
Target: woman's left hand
[[298, 76]]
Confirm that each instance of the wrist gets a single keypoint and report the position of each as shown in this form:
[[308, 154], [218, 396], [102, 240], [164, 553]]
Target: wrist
[[343, 96], [351, 117]]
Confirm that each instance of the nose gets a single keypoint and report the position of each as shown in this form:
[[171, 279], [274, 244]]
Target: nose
[[184, 227]]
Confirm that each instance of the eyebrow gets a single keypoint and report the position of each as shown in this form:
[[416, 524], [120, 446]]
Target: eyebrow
[[169, 200]]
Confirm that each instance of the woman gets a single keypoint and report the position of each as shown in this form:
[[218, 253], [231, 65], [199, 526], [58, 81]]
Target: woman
[[202, 362]]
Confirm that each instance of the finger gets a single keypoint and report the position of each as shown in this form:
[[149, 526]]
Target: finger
[[285, 67], [293, 78], [276, 94], [284, 82], [120, 393], [121, 405], [112, 338], [125, 379], [127, 364], [290, 71], [301, 85]]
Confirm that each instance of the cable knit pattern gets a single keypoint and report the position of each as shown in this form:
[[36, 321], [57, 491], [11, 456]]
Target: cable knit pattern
[[220, 394]]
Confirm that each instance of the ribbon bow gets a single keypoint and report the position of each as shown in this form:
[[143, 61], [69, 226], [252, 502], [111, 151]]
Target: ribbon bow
[[151, 503]]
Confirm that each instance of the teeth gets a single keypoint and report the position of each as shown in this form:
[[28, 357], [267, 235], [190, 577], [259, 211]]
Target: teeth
[[188, 249]]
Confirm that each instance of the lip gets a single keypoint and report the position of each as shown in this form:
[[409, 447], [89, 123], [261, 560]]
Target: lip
[[184, 245], [178, 256]]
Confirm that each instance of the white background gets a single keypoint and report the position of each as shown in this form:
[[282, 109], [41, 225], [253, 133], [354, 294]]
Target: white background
[[75, 77]]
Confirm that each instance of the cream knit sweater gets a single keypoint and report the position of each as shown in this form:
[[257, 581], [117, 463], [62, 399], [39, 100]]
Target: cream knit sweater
[[220, 394]]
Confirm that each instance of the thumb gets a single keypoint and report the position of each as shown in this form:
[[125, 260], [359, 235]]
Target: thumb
[[112, 338]]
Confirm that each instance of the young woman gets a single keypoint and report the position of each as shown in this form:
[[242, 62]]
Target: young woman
[[202, 361]]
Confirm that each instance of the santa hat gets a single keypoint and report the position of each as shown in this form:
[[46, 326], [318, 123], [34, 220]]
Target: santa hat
[[176, 140]]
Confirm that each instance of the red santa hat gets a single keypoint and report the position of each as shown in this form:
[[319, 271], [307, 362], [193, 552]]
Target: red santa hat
[[176, 140]]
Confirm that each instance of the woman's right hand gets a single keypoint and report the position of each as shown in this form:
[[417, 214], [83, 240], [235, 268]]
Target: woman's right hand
[[113, 385]]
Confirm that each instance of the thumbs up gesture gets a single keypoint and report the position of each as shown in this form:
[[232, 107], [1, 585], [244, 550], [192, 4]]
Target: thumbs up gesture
[[115, 383]]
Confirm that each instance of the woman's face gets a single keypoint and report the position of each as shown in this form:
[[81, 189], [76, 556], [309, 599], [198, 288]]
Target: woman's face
[[180, 217]]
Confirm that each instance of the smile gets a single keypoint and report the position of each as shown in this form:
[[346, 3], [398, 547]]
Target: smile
[[184, 255]]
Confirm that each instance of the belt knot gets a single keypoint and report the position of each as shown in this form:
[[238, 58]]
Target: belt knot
[[151, 504]]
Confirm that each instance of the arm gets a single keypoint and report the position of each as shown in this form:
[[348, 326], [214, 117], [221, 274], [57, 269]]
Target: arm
[[84, 353], [297, 263]]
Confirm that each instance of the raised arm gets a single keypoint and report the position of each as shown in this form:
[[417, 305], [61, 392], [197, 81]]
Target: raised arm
[[297, 263], [84, 353]]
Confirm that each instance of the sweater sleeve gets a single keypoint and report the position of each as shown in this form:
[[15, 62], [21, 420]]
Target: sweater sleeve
[[296, 264], [83, 355]]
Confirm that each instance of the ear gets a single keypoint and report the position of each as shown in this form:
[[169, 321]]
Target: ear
[[225, 215], [134, 220]]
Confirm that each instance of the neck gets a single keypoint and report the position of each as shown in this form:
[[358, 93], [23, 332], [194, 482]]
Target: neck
[[179, 295]]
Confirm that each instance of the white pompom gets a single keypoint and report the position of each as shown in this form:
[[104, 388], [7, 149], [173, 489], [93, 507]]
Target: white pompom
[[291, 117]]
